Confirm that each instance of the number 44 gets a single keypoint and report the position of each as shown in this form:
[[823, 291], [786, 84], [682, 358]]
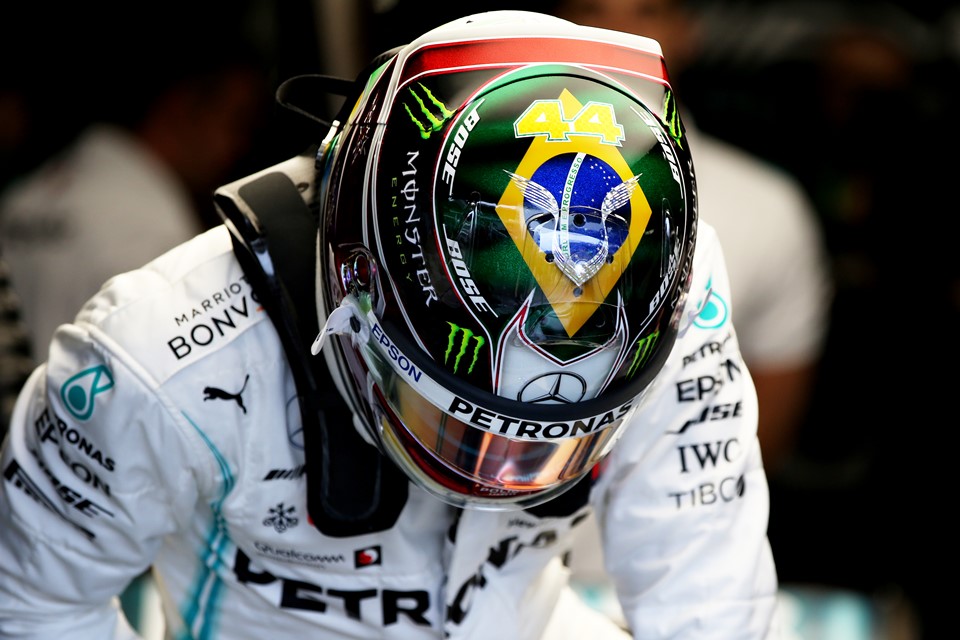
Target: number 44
[[546, 117]]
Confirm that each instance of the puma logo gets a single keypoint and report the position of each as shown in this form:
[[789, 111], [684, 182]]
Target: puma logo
[[213, 393]]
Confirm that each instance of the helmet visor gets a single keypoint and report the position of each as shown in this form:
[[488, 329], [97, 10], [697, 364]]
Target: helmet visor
[[467, 453], [464, 463]]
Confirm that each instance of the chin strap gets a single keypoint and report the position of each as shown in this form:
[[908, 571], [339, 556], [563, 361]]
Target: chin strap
[[352, 489]]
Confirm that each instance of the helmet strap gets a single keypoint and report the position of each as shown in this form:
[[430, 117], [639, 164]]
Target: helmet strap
[[352, 488]]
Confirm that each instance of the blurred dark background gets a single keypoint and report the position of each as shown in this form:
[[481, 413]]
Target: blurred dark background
[[856, 99]]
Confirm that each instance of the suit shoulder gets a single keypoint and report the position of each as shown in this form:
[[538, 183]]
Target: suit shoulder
[[188, 302]]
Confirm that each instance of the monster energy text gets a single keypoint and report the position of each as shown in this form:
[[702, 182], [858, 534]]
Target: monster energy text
[[411, 232]]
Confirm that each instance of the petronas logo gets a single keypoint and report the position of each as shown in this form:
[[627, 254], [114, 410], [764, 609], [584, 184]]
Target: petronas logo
[[433, 114], [643, 352], [78, 393], [462, 346]]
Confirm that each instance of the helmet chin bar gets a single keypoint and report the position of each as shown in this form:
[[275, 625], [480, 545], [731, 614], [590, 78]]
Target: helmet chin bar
[[422, 468], [420, 424]]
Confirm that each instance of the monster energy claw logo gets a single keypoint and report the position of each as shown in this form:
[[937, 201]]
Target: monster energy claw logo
[[465, 337], [435, 123], [672, 118], [643, 352]]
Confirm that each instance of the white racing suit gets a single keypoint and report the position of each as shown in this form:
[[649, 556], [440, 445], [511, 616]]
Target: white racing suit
[[163, 431]]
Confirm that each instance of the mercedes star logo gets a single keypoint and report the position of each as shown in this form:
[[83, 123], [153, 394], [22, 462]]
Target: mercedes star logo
[[554, 388]]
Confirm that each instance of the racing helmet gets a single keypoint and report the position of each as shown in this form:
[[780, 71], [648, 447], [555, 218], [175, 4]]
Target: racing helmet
[[507, 220]]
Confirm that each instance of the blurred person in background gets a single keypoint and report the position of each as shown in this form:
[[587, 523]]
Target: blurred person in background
[[121, 141], [16, 359], [165, 109], [868, 113]]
